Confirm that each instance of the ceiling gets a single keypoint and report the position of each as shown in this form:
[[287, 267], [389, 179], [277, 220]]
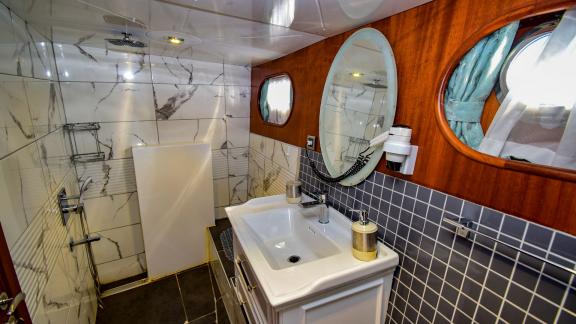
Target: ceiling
[[242, 32]]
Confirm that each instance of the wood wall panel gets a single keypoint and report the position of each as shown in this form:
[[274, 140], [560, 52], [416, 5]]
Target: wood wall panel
[[425, 40]]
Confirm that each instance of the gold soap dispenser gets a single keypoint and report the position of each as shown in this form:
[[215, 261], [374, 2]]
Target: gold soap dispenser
[[364, 233]]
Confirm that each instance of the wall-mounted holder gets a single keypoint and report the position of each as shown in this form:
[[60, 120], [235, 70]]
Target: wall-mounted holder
[[65, 207], [310, 142], [400, 154], [88, 157], [86, 240], [464, 227], [93, 128]]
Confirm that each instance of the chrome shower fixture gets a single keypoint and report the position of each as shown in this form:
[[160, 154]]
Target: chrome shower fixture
[[126, 41], [84, 185]]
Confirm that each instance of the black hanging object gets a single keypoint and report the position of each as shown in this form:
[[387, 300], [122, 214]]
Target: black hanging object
[[361, 161]]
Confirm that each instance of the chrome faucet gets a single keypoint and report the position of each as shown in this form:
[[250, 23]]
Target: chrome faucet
[[320, 200]]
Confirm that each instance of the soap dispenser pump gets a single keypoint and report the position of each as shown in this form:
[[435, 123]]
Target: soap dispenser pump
[[364, 234]]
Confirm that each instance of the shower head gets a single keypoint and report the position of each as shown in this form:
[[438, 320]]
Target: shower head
[[126, 41], [376, 84], [85, 184]]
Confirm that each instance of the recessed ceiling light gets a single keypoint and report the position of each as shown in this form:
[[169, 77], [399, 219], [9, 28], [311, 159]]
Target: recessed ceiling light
[[356, 74], [175, 40]]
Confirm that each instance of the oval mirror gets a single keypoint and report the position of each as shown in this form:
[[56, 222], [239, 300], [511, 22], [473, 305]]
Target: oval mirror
[[275, 99], [512, 94], [358, 103]]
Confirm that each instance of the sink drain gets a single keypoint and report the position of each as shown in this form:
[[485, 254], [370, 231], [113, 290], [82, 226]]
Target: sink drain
[[294, 258]]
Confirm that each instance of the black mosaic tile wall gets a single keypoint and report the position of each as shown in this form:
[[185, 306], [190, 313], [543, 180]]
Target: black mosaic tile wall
[[447, 279]]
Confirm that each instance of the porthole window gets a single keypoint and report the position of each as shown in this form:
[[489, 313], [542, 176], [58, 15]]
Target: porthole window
[[522, 58], [275, 99]]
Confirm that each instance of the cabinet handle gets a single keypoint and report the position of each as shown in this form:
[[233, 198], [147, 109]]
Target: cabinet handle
[[244, 313], [241, 301], [249, 285]]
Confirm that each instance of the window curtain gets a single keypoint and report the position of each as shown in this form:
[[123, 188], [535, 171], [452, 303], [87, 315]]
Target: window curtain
[[536, 121], [279, 99], [472, 82], [264, 109]]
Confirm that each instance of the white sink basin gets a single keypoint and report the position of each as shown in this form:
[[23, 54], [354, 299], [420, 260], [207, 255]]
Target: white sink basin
[[287, 237], [270, 231]]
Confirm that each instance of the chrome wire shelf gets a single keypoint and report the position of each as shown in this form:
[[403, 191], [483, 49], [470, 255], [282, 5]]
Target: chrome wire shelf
[[85, 157]]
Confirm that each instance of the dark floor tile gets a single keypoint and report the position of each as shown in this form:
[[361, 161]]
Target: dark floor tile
[[205, 319], [124, 281], [157, 302], [217, 293], [221, 314], [197, 294]]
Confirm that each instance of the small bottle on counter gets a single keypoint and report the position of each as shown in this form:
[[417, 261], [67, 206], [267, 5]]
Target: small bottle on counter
[[293, 192], [364, 238]]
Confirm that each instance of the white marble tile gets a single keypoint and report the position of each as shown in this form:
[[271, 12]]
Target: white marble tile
[[173, 101], [58, 292], [238, 131], [177, 70], [50, 315], [220, 164], [263, 145], [118, 243], [8, 47], [211, 131], [23, 191], [55, 158], [77, 259], [275, 178], [123, 268], [238, 189], [45, 102], [34, 51], [237, 75], [112, 211], [238, 101], [107, 102], [83, 62], [221, 192], [16, 129], [220, 213], [287, 156], [238, 161], [117, 138], [256, 174], [109, 177]]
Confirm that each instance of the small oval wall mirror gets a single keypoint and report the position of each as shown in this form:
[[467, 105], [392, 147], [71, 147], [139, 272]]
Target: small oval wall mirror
[[358, 103], [275, 99], [513, 95]]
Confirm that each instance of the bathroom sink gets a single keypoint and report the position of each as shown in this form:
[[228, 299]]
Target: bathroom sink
[[293, 255], [288, 236]]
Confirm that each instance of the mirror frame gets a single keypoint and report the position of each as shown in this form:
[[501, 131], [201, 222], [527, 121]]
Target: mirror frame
[[390, 62], [268, 77], [524, 167]]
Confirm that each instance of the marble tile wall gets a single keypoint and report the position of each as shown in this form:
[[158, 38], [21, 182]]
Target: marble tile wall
[[140, 99], [34, 165], [272, 163]]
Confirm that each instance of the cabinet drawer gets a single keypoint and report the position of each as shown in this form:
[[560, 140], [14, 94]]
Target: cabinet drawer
[[248, 277], [242, 297]]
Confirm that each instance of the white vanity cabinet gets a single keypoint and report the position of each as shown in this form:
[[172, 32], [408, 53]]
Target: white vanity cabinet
[[361, 301]]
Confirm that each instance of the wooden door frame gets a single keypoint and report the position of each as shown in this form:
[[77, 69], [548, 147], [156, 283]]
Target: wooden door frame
[[8, 276]]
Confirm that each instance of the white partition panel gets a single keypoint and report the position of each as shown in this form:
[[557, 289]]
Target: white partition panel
[[176, 198]]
